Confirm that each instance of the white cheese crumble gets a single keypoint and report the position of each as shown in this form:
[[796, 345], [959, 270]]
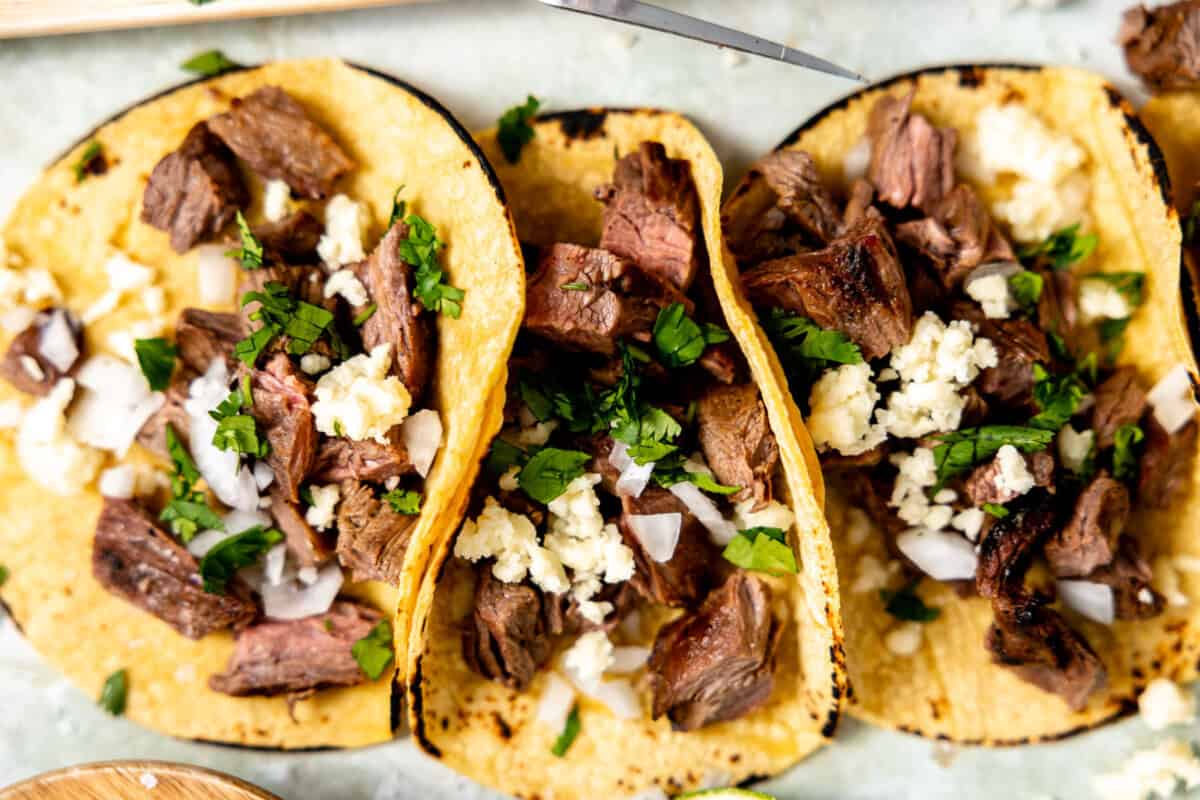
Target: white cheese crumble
[[1158, 772], [314, 363], [32, 368], [359, 399], [772, 515], [345, 226], [1101, 300], [916, 473], [1014, 476], [148, 780], [905, 639], [124, 275], [1164, 703], [1075, 447], [873, 574], [31, 287], [842, 402], [969, 522], [508, 481], [121, 342], [512, 540], [1036, 210], [535, 435], [993, 294], [276, 200], [119, 482], [47, 453], [1172, 399], [347, 284], [324, 500], [589, 657]]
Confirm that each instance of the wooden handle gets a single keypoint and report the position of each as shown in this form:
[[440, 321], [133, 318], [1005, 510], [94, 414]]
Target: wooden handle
[[134, 780]]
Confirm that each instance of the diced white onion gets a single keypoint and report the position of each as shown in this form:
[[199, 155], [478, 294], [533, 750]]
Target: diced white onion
[[634, 477], [942, 555], [620, 698], [555, 703], [204, 541], [273, 564], [56, 342], [233, 485], [308, 575], [291, 600], [239, 520], [720, 530], [628, 659], [1090, 599], [1172, 400], [264, 476], [118, 482], [115, 403], [422, 434], [216, 275], [658, 533]]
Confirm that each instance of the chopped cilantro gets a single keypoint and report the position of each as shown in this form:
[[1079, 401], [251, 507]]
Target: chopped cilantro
[[1064, 248], [210, 64], [577, 286], [239, 433], [569, 733], [907, 605], [646, 429], [3, 574], [960, 450], [805, 349], [549, 471], [185, 468], [1112, 335], [996, 510], [91, 161], [281, 314], [1125, 456], [667, 476], [762, 550], [502, 455], [222, 562], [1057, 398], [250, 254], [374, 651], [420, 250], [399, 208], [365, 315], [404, 501], [188, 511], [115, 692], [156, 357], [679, 339], [250, 349], [1026, 288], [514, 130]]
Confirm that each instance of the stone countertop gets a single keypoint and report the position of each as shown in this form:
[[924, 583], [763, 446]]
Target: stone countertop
[[475, 56]]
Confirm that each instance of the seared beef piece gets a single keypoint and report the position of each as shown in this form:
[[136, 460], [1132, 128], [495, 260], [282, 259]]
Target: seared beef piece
[[507, 638], [976, 409], [1041, 648], [793, 177], [309, 547], [833, 461], [270, 131], [855, 286], [133, 558], [1005, 553], [621, 300], [956, 237], [397, 320], [291, 240], [720, 361], [737, 440], [1058, 313], [303, 283], [283, 411], [860, 204], [1162, 45], [687, 576], [1019, 345], [298, 655], [652, 215], [1166, 463], [925, 287], [912, 163], [757, 228], [204, 336], [600, 445], [1120, 400], [1129, 576], [26, 367], [1089, 539], [980, 486], [372, 536], [153, 434], [716, 663], [195, 191], [340, 459]]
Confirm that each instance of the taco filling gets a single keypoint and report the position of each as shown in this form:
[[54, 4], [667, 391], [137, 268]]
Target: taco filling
[[953, 352], [295, 427], [629, 502]]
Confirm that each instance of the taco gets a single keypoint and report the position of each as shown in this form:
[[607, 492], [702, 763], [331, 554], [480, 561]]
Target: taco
[[251, 325], [971, 278], [643, 592]]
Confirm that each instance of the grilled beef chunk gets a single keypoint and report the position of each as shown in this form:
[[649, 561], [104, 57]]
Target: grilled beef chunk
[[652, 215], [204, 336], [1129, 576], [292, 239], [720, 361], [782, 208], [283, 411], [855, 285], [372, 536], [982, 485], [1019, 345], [397, 320], [153, 434], [270, 131], [195, 191], [1162, 45], [860, 204], [912, 162], [620, 300], [133, 558], [717, 663], [956, 237], [833, 461], [1120, 400], [1165, 466], [685, 578], [340, 459], [298, 655], [1041, 648], [1007, 550], [1058, 313], [309, 547], [507, 638], [1089, 539], [737, 440], [27, 368]]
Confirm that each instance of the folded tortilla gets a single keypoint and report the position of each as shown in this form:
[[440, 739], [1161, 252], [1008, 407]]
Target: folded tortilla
[[397, 136], [950, 688]]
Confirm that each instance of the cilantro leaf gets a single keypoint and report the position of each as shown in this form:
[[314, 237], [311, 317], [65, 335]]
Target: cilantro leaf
[[805, 349], [374, 651], [404, 501], [1057, 398], [679, 339], [577, 286], [305, 326], [502, 455], [209, 64], [239, 433], [905, 604], [762, 550], [961, 450], [91, 161], [1063, 248], [1125, 455], [399, 208], [156, 357], [185, 469], [514, 131], [569, 732], [3, 574], [250, 349], [996, 510], [549, 471], [115, 692], [220, 564], [250, 254], [281, 314], [189, 515], [365, 314], [420, 250], [1026, 287]]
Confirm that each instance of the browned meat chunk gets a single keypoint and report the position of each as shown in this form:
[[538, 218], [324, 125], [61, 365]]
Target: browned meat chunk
[[833, 461], [1120, 400], [607, 298], [303, 283], [860, 205], [153, 434], [1019, 345], [27, 367], [397, 320], [855, 285], [271, 132], [1089, 539], [372, 536], [507, 638], [309, 547], [204, 336], [135, 559], [195, 191], [1129, 576], [1162, 45], [1058, 313], [298, 655], [1166, 463], [685, 578], [737, 440], [340, 459], [652, 215], [721, 361], [292, 239], [717, 663], [780, 209], [283, 411], [1007, 550], [956, 237], [981, 485], [912, 162]]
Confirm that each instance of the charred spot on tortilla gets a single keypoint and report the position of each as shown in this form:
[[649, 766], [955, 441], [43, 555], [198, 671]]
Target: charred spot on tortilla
[[585, 124]]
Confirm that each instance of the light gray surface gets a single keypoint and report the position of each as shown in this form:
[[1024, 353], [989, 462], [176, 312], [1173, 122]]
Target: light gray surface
[[479, 58]]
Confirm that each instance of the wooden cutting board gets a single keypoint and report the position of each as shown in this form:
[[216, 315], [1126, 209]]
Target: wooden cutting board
[[38, 17], [134, 780]]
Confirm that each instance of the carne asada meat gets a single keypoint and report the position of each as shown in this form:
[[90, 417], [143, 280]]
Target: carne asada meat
[[372, 536], [397, 320], [204, 336], [799, 193], [619, 299], [1129, 576], [1089, 539], [283, 411], [298, 655], [720, 361], [1041, 648], [737, 440], [133, 558], [1162, 45], [291, 240], [153, 435], [340, 459], [27, 366], [1019, 345], [983, 484], [306, 283], [507, 638], [271, 132], [912, 162], [860, 205], [855, 285], [717, 663], [306, 545], [956, 237], [195, 191], [685, 578], [652, 215], [1009, 547], [756, 223], [1166, 463], [1120, 400]]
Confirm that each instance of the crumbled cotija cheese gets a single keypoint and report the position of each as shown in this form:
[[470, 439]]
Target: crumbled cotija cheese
[[1165, 580], [314, 363], [969, 521], [1013, 476], [534, 435], [905, 639], [1036, 210], [993, 295], [772, 515], [324, 500], [359, 399], [1157, 772], [512, 540], [119, 482], [1101, 300], [345, 225], [508, 481], [589, 657], [124, 275], [1075, 447], [1164, 703], [873, 574], [47, 453], [842, 402], [916, 473], [277, 200], [347, 284]]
